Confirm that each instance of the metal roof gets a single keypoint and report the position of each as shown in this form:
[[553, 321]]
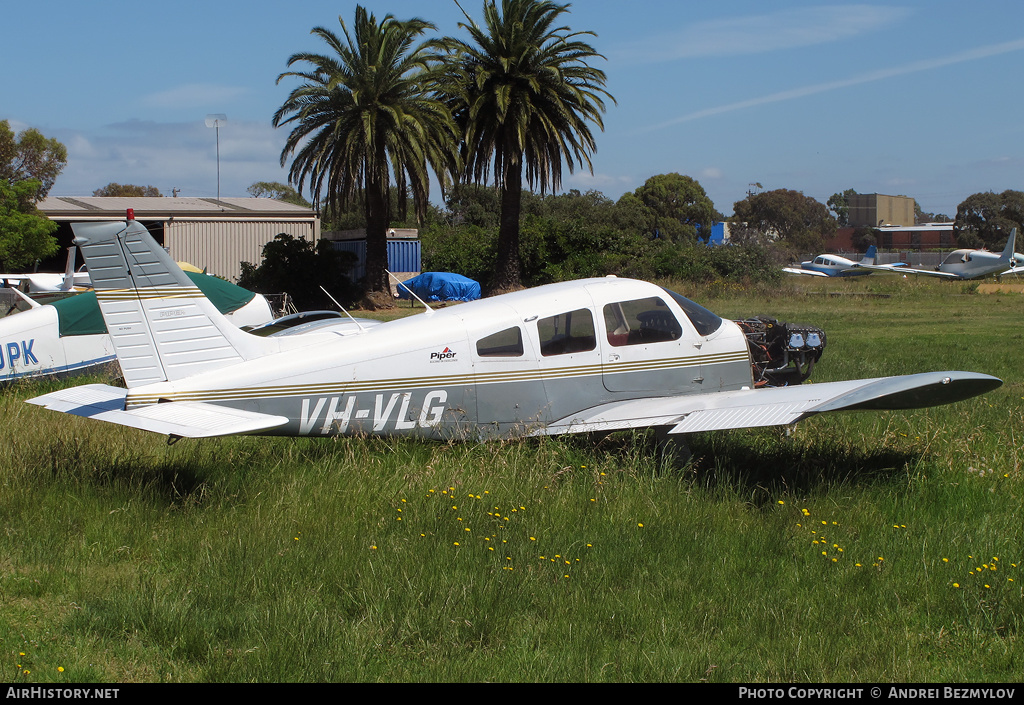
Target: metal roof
[[162, 208]]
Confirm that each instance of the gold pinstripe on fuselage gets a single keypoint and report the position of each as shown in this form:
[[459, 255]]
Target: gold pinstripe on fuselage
[[405, 383]]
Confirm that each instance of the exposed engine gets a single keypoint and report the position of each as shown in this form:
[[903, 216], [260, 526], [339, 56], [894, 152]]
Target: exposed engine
[[782, 354]]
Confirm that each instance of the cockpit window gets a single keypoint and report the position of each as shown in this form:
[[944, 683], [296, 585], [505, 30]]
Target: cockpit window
[[640, 321], [505, 343], [703, 320], [566, 333]]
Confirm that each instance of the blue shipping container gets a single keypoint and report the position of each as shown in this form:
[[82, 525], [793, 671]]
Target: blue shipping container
[[403, 255]]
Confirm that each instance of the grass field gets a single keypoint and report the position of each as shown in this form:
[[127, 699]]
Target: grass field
[[863, 547]]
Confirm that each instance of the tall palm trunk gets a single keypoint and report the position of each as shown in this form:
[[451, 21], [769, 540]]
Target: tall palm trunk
[[506, 276], [376, 237]]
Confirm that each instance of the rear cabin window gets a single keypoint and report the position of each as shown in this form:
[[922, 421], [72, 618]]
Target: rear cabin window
[[506, 343], [566, 333], [640, 321]]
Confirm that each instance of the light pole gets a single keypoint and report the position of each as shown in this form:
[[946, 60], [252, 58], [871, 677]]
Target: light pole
[[216, 120]]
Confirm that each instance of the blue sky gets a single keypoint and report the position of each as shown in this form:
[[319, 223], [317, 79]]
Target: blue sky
[[911, 98]]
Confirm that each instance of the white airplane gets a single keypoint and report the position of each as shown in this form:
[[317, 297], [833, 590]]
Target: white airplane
[[590, 355], [834, 265], [68, 336], [968, 264], [50, 286]]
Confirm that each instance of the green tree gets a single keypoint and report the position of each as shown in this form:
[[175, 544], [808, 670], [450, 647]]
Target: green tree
[[127, 191], [796, 220], [839, 203], [986, 219], [278, 192], [364, 113], [523, 95], [30, 156], [679, 207], [295, 266], [26, 235], [29, 165]]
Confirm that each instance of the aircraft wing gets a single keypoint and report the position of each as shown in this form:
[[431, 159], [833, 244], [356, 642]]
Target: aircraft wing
[[180, 418], [908, 270], [808, 272], [777, 406]]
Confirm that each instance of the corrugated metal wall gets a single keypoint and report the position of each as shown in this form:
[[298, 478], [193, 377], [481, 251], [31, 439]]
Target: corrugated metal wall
[[219, 246], [403, 256]]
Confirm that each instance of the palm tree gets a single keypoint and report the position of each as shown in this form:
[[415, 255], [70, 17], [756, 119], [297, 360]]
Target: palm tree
[[363, 114], [523, 95]]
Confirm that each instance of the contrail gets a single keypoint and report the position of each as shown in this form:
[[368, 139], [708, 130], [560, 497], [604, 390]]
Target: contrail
[[915, 67]]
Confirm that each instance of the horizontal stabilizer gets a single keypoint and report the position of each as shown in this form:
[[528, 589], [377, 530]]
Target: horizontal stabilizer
[[778, 406], [187, 419]]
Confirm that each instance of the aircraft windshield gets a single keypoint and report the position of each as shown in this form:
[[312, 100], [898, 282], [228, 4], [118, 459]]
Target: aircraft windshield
[[703, 320]]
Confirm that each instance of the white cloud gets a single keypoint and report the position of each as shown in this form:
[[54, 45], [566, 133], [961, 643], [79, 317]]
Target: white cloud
[[172, 155], [193, 95], [881, 74], [756, 34]]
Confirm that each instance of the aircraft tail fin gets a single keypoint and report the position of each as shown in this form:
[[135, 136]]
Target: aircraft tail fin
[[870, 257], [69, 271], [162, 326], [1011, 244]]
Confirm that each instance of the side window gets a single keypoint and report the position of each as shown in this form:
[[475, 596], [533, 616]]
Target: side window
[[640, 321], [566, 333], [703, 320], [506, 343]]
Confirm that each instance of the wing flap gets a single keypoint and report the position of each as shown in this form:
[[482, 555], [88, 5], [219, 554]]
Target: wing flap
[[779, 406], [187, 419]]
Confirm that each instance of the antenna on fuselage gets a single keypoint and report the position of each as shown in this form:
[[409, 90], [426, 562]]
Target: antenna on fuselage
[[361, 329], [429, 310]]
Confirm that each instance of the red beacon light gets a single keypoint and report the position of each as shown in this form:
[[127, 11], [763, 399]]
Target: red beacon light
[[130, 214]]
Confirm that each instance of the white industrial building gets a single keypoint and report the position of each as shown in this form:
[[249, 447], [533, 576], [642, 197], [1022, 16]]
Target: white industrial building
[[215, 234]]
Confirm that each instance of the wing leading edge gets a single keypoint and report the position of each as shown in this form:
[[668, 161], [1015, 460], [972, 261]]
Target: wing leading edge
[[781, 406]]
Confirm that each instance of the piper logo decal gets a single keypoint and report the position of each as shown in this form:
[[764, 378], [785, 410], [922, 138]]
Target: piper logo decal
[[444, 355], [341, 410]]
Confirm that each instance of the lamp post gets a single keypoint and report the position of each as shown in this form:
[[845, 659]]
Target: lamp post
[[215, 120]]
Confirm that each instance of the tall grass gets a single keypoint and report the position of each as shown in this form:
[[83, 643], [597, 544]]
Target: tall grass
[[867, 547]]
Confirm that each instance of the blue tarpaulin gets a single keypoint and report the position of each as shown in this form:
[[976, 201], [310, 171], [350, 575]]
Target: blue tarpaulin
[[441, 286]]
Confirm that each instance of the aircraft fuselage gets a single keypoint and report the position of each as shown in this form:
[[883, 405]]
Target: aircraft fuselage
[[491, 367]]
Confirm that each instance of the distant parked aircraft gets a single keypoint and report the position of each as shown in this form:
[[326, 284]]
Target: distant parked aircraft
[[834, 265], [968, 264]]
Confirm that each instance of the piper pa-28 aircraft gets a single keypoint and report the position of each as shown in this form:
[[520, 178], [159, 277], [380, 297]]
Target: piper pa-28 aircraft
[[834, 265], [967, 264], [590, 355]]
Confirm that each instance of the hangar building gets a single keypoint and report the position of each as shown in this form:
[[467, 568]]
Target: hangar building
[[215, 234]]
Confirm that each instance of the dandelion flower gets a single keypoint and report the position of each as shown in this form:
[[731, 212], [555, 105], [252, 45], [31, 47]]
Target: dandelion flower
[[956, 585], [640, 525], [60, 669], [781, 502]]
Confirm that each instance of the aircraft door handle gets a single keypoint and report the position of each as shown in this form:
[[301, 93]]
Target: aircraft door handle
[[613, 358]]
